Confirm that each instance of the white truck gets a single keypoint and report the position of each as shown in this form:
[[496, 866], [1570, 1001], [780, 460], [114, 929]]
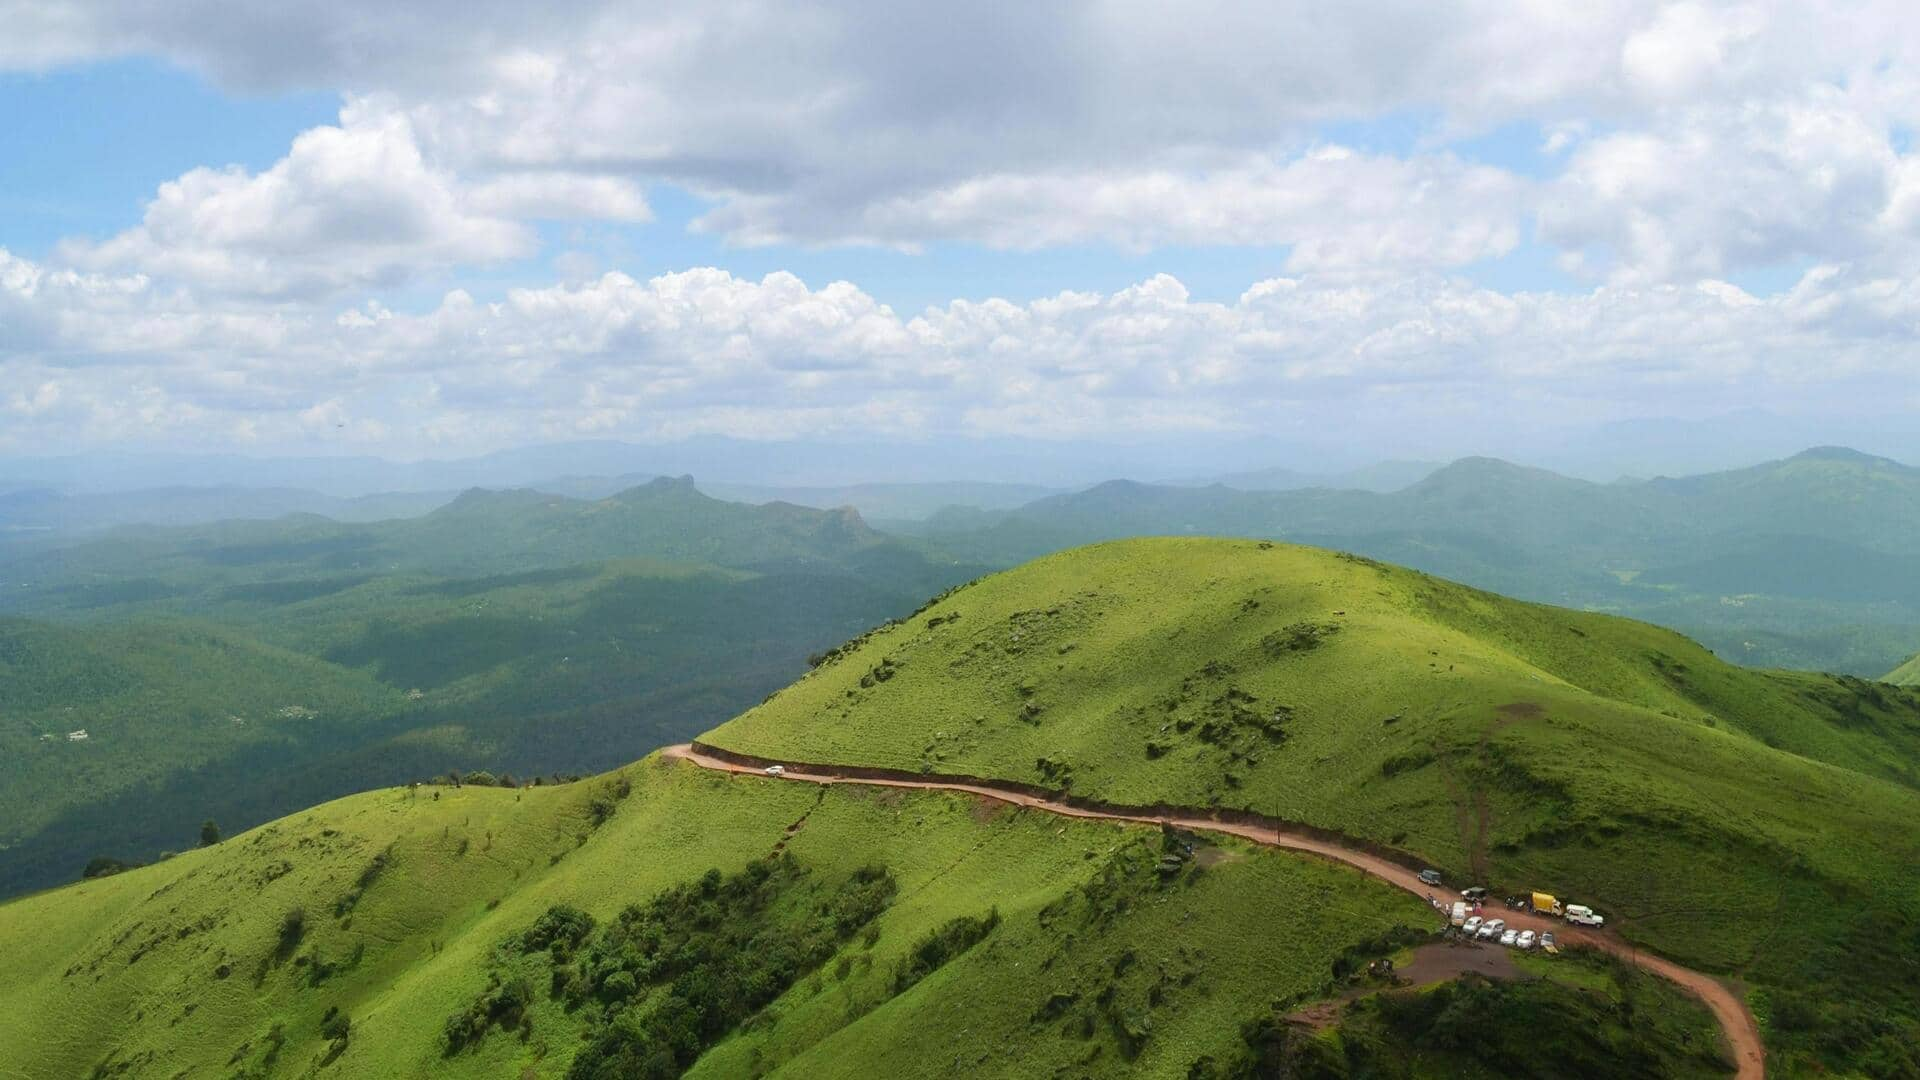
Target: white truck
[[1582, 915], [1459, 913]]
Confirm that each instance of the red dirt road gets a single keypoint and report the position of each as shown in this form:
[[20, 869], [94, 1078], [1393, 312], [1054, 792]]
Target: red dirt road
[[1736, 1022]]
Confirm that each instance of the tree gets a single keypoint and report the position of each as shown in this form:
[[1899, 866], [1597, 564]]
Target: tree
[[209, 833]]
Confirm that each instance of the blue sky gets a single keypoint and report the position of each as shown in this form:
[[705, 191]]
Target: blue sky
[[82, 147], [354, 228]]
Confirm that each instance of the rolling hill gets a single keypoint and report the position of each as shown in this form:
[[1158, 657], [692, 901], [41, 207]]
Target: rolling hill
[[1806, 562], [665, 919], [1705, 806], [240, 671]]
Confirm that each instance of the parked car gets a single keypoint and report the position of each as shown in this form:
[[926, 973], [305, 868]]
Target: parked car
[[1492, 927], [1475, 893], [1508, 937], [1525, 940], [1430, 876], [1546, 940], [1582, 915], [775, 770], [1472, 925]]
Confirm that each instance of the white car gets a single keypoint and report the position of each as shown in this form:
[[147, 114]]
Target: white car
[[1472, 926], [775, 770], [1491, 928], [1546, 940], [1508, 937], [1582, 915], [1525, 940]]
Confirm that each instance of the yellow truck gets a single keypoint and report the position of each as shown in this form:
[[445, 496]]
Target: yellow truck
[[1545, 904]]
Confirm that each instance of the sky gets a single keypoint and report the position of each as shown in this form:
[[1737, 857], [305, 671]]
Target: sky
[[1374, 230]]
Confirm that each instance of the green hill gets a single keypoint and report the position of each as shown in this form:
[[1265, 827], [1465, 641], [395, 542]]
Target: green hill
[[666, 918], [144, 702], [1746, 822], [1907, 674], [1806, 562], [243, 670]]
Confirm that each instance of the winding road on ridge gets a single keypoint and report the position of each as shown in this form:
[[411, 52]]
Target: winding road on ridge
[[1736, 1021]]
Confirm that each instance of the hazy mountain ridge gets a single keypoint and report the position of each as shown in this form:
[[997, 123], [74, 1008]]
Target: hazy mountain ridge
[[1704, 553], [512, 630]]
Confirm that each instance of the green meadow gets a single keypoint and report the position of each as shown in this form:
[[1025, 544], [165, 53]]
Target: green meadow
[[662, 920], [1756, 824], [1096, 961]]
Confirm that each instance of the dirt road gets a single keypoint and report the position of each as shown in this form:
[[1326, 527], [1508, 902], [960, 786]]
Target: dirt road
[[1736, 1022]]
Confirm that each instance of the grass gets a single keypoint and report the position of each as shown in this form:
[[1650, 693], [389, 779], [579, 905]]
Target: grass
[[1907, 674], [1751, 823], [187, 966]]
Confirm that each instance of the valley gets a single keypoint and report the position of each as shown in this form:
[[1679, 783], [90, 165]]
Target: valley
[[1007, 775]]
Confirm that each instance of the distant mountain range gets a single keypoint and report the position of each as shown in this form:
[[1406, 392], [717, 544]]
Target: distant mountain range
[[242, 669], [1810, 561], [46, 510], [1385, 476]]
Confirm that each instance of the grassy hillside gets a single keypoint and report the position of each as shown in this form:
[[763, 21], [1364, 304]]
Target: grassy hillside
[[152, 698], [1753, 823], [290, 700], [243, 670], [1806, 562], [1907, 674], [410, 901]]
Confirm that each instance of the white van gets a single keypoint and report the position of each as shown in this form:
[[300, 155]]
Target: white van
[[1582, 915], [1459, 913]]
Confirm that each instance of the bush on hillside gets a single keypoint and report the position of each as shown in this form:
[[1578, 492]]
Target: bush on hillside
[[106, 866], [945, 943], [293, 926], [665, 980]]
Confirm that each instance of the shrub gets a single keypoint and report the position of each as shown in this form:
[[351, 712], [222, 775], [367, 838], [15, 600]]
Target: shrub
[[335, 1026], [104, 866], [951, 939], [293, 925]]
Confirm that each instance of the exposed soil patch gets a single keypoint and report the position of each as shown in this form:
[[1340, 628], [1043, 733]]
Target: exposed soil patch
[[1522, 710], [1443, 960], [1214, 856], [986, 811], [1436, 963]]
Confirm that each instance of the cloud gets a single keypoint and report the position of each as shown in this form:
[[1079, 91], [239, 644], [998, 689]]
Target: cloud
[[704, 351], [1711, 191], [562, 196], [1021, 125], [1666, 151], [353, 206], [1334, 207]]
